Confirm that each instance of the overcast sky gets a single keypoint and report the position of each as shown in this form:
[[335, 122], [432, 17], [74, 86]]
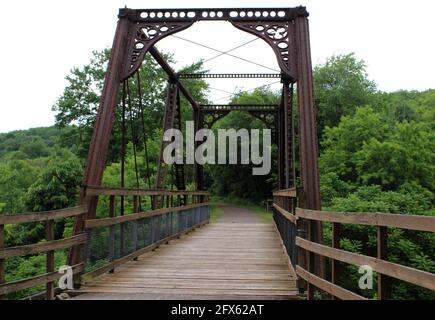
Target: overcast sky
[[42, 40]]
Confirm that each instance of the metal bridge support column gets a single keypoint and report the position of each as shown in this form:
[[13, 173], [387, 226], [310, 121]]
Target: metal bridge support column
[[308, 138], [102, 128], [198, 117]]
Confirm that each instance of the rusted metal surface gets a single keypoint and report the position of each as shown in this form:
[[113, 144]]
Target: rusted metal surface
[[168, 123], [102, 128]]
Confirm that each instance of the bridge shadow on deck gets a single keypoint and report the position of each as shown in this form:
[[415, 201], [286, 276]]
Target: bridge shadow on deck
[[238, 257]]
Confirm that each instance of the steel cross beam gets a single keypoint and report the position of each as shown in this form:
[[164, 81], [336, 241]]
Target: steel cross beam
[[228, 75], [236, 14], [268, 108]]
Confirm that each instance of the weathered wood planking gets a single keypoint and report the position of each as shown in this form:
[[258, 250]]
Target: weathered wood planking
[[222, 259]]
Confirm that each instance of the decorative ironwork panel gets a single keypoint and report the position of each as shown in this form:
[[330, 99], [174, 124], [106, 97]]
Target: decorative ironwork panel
[[144, 36], [279, 37]]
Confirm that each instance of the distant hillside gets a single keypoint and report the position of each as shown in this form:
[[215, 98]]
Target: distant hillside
[[32, 143]]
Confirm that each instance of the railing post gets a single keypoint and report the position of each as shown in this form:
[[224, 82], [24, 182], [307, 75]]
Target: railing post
[[112, 231], [134, 232], [2, 261], [50, 259], [383, 280], [302, 254], [335, 268]]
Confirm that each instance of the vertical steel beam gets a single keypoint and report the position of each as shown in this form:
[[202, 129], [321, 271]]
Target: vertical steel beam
[[308, 136], [198, 117], [285, 120], [281, 148], [103, 126]]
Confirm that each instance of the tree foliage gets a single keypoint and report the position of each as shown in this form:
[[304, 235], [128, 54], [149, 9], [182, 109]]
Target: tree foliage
[[341, 85]]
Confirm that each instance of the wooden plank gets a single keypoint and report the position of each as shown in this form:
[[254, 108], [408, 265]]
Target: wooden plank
[[42, 216], [120, 261], [208, 261], [145, 275], [202, 292], [286, 214], [105, 222], [292, 193], [109, 191], [327, 286], [411, 275], [42, 247], [411, 222], [18, 285]]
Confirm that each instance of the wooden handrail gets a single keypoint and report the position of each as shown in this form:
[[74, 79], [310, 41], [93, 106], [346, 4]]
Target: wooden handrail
[[292, 193], [420, 278], [109, 191], [42, 216], [411, 222], [35, 281], [381, 221], [42, 247], [327, 286], [105, 222], [289, 216], [48, 247]]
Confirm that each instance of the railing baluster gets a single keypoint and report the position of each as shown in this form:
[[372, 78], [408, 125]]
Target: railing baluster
[[50, 259], [112, 231], [134, 231], [335, 268], [383, 280]]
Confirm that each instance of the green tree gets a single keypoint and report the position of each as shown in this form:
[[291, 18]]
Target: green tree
[[16, 176], [57, 185], [341, 85], [78, 105], [406, 155], [341, 143]]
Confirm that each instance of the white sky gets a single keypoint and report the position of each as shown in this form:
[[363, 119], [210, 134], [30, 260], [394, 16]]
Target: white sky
[[40, 41]]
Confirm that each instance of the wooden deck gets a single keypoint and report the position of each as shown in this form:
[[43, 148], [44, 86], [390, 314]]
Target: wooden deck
[[239, 257]]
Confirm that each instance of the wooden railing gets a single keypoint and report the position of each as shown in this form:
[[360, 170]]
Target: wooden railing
[[125, 236], [184, 212], [379, 264], [48, 247]]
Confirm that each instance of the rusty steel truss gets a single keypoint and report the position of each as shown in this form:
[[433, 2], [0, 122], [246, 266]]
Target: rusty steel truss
[[285, 30]]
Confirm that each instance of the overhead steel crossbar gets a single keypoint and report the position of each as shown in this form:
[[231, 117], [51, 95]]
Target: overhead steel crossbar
[[241, 14], [238, 107], [228, 75]]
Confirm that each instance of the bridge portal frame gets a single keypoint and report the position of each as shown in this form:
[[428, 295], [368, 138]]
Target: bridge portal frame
[[285, 30]]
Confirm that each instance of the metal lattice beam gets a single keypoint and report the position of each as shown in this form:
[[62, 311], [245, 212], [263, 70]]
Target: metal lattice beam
[[229, 75], [268, 108], [238, 14]]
